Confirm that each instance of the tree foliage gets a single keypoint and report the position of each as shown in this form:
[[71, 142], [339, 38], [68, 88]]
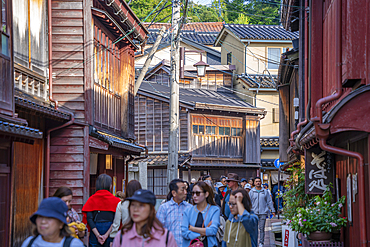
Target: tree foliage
[[232, 11]]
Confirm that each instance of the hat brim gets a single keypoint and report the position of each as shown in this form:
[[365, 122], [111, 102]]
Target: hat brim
[[140, 199], [228, 180], [47, 213]]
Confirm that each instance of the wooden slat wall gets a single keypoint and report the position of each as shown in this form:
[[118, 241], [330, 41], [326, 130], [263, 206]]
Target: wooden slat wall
[[68, 55], [67, 162], [28, 162], [152, 124], [216, 145], [6, 86]]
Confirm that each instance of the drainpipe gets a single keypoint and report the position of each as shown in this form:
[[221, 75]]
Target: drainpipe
[[323, 130], [50, 55], [47, 163]]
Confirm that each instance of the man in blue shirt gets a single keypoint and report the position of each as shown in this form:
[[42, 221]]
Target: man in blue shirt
[[170, 213], [233, 183]]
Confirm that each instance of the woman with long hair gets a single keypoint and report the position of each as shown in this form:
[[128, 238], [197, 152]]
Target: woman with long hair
[[51, 226], [99, 211], [66, 195], [201, 221], [242, 226], [122, 214], [143, 226]]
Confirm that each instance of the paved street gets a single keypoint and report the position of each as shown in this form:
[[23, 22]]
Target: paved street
[[269, 235]]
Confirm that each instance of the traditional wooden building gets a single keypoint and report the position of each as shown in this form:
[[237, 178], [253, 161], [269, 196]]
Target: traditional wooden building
[[219, 133], [333, 90], [66, 107]]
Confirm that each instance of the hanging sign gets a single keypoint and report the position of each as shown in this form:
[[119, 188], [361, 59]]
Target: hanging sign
[[319, 170]]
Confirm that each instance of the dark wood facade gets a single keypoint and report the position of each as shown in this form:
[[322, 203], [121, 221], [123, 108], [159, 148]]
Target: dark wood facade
[[49, 128], [210, 141], [337, 91]]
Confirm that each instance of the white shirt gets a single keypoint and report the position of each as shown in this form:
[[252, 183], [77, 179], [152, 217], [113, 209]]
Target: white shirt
[[39, 242]]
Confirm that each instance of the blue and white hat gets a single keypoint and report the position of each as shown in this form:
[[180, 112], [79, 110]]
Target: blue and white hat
[[52, 207]]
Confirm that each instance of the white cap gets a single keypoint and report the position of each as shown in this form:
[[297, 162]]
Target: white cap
[[248, 186]]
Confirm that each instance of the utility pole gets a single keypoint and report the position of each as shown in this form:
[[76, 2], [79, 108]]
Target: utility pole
[[173, 144]]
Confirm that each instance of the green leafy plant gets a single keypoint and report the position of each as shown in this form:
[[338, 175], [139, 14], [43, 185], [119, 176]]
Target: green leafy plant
[[295, 196], [320, 214]]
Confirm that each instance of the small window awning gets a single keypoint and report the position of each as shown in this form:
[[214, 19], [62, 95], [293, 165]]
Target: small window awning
[[117, 142]]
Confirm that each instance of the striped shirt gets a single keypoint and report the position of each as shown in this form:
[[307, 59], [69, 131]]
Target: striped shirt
[[170, 215]]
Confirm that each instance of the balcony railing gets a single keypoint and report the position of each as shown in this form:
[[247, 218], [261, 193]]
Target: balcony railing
[[31, 82]]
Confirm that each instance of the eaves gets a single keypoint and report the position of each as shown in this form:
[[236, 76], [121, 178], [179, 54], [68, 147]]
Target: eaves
[[241, 109]]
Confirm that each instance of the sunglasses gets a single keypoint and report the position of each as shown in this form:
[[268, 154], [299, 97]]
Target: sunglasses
[[232, 205], [196, 193]]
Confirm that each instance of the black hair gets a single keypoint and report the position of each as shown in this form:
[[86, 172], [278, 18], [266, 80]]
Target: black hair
[[173, 187], [257, 178], [62, 192], [205, 177], [246, 201], [103, 182]]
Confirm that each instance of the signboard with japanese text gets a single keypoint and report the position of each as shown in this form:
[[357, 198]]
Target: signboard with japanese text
[[319, 170]]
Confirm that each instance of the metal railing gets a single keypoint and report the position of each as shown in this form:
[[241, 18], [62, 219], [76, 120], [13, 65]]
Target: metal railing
[[31, 82]]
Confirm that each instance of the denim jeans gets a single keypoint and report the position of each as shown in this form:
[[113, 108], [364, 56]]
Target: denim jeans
[[261, 227], [102, 228]]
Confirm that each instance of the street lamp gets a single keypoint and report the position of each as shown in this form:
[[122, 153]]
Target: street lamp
[[201, 68]]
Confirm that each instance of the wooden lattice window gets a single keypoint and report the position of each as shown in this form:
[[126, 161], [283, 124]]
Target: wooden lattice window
[[157, 181], [106, 60]]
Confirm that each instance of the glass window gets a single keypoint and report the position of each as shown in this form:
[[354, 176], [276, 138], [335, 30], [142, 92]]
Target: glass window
[[224, 131], [236, 131], [4, 39], [229, 58], [3, 16], [4, 45], [201, 129], [273, 58], [211, 130], [195, 129]]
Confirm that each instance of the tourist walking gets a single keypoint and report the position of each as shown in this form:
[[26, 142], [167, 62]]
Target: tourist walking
[[242, 226], [243, 182], [143, 228], [201, 221], [170, 214], [261, 204], [66, 195], [122, 215], [51, 226], [233, 183], [99, 212]]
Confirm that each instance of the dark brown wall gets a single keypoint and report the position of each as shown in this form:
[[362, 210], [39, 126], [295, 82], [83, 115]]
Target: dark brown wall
[[152, 124], [67, 162], [28, 167]]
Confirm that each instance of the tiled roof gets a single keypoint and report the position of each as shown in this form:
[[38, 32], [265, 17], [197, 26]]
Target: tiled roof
[[116, 141], [15, 129], [193, 96], [192, 26], [203, 33], [261, 32], [259, 81], [269, 141], [161, 160], [40, 108]]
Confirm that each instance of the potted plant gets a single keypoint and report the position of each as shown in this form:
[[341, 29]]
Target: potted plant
[[320, 217]]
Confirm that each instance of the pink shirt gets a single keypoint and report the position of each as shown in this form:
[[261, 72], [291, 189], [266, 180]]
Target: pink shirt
[[132, 239]]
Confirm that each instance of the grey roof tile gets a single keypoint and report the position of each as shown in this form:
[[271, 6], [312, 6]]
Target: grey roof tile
[[261, 32]]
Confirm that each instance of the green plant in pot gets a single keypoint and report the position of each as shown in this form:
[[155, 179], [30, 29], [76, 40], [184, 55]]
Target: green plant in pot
[[320, 217]]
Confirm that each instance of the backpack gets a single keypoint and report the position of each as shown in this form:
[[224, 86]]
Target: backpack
[[67, 241], [221, 229], [223, 205]]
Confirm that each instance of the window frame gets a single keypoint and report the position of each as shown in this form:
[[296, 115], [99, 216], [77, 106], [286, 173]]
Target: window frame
[[5, 33], [229, 58], [271, 65]]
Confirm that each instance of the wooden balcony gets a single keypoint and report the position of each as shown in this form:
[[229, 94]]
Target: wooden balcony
[[107, 108], [31, 82]]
